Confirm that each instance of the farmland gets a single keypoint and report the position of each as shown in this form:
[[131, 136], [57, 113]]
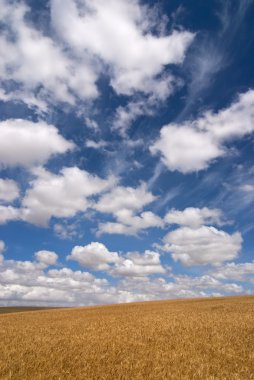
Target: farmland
[[179, 339], [13, 309]]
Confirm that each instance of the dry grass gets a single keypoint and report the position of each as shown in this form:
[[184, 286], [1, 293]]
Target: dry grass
[[194, 339]]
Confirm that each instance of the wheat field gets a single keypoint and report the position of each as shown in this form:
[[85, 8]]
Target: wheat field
[[183, 339]]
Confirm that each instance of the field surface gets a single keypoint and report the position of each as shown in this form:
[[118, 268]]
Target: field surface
[[184, 339], [7, 310]]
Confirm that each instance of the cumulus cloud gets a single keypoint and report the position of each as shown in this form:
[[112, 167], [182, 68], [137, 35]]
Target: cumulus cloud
[[120, 36], [139, 265], [39, 64], [124, 203], [46, 257], [27, 143], [60, 195], [32, 283], [130, 224], [121, 197], [9, 190], [94, 256], [202, 246], [194, 217], [2, 248], [185, 149], [243, 272], [9, 213], [90, 37], [194, 145]]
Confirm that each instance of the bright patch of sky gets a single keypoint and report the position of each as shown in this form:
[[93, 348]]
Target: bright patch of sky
[[126, 150]]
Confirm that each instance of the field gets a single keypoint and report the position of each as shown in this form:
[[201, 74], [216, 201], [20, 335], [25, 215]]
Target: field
[[184, 339], [7, 310]]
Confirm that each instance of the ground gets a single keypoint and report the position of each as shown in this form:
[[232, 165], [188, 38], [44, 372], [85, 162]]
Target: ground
[[184, 339]]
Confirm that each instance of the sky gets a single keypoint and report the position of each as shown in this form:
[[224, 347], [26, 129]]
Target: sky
[[126, 150]]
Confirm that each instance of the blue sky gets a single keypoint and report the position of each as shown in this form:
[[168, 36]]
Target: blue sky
[[126, 150]]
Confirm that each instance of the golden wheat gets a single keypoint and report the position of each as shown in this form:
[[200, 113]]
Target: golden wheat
[[184, 339]]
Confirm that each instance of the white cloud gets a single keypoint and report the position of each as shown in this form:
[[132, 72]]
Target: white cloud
[[124, 203], [233, 122], [94, 256], [46, 257], [22, 95], [194, 217], [125, 116], [2, 248], [9, 190], [96, 144], [186, 149], [38, 63], [207, 283], [61, 195], [248, 188], [66, 230], [88, 39], [202, 246], [139, 265], [27, 143], [125, 198], [130, 224], [92, 124], [119, 35], [9, 213], [29, 283], [237, 272], [32, 283], [194, 145]]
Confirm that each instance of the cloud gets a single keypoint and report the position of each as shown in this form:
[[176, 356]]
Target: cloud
[[248, 188], [46, 257], [67, 231], [33, 283], [88, 39], [92, 124], [193, 145], [130, 224], [27, 143], [120, 36], [194, 217], [96, 144], [9, 190], [94, 256], [2, 249], [139, 265], [60, 195], [125, 116], [2, 246], [243, 272], [38, 64], [206, 284], [202, 246], [122, 197], [8, 213], [185, 149], [124, 203]]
